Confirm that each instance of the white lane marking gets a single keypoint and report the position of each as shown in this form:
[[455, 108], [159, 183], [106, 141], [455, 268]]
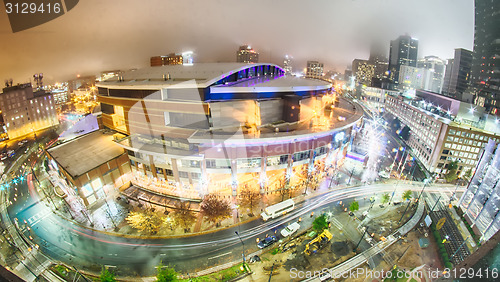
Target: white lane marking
[[220, 255], [68, 243]]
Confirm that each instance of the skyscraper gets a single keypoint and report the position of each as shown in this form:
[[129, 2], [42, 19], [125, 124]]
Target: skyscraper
[[457, 75], [247, 55], [314, 69], [403, 51], [287, 64], [486, 57], [378, 58], [434, 69]]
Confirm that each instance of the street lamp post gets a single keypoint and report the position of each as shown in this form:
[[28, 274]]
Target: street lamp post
[[360, 239], [242, 248]]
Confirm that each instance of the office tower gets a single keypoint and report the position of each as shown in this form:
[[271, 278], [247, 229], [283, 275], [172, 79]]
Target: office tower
[[247, 55], [378, 59], [457, 75], [26, 111], [443, 129], [314, 69], [486, 56], [287, 64], [364, 71], [410, 77], [433, 77], [403, 51]]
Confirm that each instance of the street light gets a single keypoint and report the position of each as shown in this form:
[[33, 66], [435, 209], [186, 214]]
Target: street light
[[242, 247]]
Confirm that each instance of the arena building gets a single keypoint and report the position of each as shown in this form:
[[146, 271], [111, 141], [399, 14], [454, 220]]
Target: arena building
[[224, 127]]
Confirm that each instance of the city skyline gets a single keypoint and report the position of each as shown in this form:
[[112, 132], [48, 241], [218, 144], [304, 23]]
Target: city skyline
[[88, 40]]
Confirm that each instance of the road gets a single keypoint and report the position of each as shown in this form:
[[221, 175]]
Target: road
[[89, 250]]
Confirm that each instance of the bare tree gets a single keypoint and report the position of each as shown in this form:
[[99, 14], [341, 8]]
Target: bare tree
[[249, 198], [184, 216], [215, 208]]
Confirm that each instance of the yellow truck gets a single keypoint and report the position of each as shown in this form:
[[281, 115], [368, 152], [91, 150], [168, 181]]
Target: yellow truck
[[318, 242]]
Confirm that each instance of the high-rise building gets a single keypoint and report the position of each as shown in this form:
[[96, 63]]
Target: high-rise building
[[457, 75], [403, 51], [486, 57], [364, 71], [26, 111], [378, 59], [170, 59], [410, 77], [287, 64], [314, 69], [434, 69], [443, 129], [480, 200], [247, 55]]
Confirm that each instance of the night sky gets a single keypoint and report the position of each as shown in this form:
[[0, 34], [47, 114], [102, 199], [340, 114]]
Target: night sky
[[100, 35]]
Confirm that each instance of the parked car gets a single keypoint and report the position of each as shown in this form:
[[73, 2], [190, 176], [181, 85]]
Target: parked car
[[268, 241], [290, 229]]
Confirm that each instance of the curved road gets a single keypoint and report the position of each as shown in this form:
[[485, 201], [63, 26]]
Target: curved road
[[65, 241]]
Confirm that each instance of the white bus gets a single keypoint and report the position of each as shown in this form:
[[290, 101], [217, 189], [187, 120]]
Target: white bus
[[279, 209]]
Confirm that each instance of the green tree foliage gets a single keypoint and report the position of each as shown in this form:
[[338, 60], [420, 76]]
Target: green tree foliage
[[354, 206], [166, 274], [320, 223], [451, 175], [106, 275], [385, 198], [407, 195]]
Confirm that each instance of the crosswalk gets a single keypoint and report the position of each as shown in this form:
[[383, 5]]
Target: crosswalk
[[337, 223]]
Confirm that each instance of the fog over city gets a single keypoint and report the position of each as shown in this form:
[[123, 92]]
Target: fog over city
[[122, 34]]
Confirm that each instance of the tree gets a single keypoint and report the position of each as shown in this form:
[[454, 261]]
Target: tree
[[183, 215], [249, 197], [451, 175], [147, 221], [165, 273], [407, 195], [354, 206], [385, 198], [320, 223], [215, 209], [467, 174], [106, 275]]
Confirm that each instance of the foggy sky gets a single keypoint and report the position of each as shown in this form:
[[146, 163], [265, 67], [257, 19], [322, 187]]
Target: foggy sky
[[100, 35]]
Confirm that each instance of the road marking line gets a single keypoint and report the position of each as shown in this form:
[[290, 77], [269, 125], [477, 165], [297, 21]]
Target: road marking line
[[68, 243], [220, 255]]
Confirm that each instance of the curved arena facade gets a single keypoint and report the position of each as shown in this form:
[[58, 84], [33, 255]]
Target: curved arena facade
[[226, 128]]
